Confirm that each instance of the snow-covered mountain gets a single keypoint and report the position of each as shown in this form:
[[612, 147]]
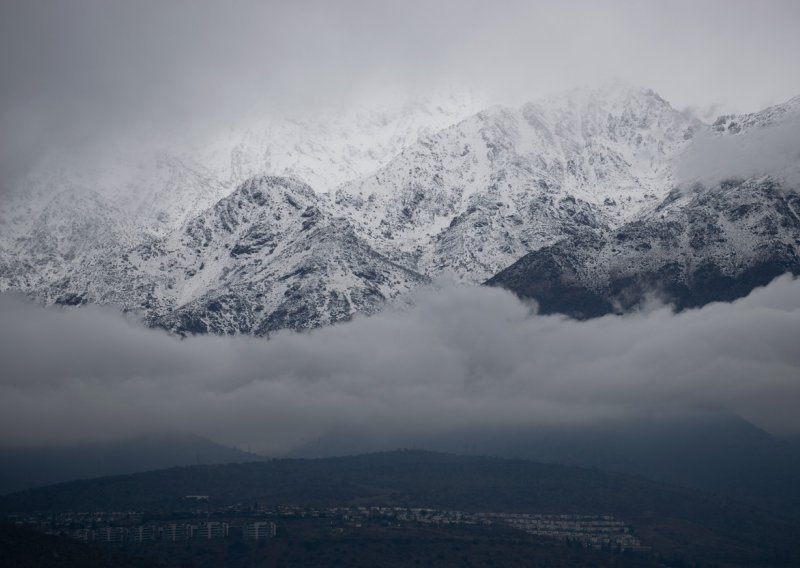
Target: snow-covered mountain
[[326, 150], [589, 189], [733, 224], [268, 257], [715, 245], [68, 230], [160, 187], [477, 196]]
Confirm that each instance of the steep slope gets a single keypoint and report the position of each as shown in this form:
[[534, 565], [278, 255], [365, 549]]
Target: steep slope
[[266, 257], [716, 245], [120, 194], [160, 183], [713, 238], [68, 230], [327, 149], [475, 197], [609, 191], [270, 257], [100, 229]]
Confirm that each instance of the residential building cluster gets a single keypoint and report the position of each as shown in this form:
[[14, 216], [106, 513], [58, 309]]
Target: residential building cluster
[[163, 532], [254, 522], [597, 531]]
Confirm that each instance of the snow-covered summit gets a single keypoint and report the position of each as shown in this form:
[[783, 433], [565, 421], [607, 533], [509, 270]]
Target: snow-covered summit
[[479, 194]]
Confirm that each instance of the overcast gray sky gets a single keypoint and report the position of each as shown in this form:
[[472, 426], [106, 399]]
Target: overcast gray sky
[[75, 71]]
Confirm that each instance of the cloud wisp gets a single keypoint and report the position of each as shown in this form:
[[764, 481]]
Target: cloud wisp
[[461, 358], [769, 150]]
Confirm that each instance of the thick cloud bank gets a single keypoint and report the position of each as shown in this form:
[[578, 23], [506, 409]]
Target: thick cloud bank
[[463, 357]]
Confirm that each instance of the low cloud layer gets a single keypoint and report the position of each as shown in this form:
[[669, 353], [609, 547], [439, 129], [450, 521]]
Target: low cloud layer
[[463, 357]]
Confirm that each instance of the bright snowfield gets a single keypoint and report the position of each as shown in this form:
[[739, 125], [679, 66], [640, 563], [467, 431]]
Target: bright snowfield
[[302, 222]]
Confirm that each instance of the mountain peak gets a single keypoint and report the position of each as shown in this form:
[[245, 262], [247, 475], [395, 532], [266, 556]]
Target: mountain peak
[[270, 187], [608, 95]]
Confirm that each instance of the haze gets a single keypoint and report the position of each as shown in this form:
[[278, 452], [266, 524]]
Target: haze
[[76, 73]]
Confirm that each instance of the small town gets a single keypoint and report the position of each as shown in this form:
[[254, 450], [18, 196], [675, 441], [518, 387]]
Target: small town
[[258, 523]]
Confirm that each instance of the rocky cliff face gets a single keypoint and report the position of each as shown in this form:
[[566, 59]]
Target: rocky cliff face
[[731, 227], [266, 257], [477, 196], [714, 244], [271, 257]]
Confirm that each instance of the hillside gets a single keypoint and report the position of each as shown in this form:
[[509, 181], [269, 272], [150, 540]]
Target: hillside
[[678, 521], [24, 468]]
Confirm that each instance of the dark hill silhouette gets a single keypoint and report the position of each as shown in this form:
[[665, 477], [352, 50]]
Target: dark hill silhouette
[[26, 468], [687, 523]]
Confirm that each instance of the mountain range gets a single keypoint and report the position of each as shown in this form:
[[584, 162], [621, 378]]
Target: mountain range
[[578, 201]]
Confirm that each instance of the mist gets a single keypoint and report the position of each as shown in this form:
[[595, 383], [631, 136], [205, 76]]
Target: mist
[[460, 358], [81, 76], [769, 150]]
